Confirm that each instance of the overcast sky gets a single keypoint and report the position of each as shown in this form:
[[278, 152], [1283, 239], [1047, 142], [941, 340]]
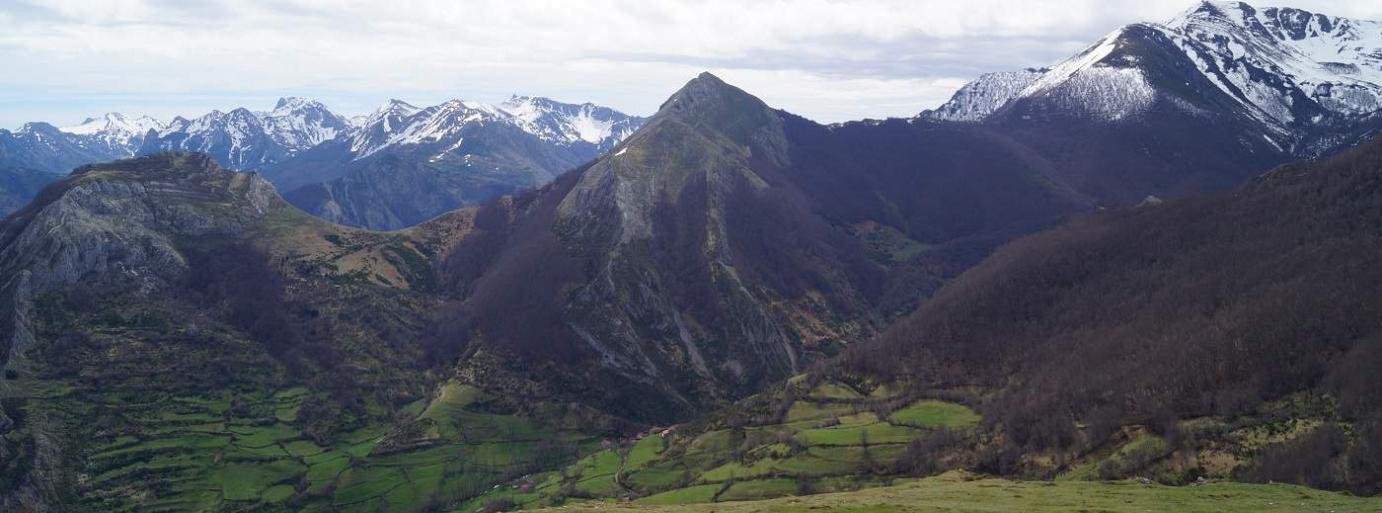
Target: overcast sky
[[828, 60]]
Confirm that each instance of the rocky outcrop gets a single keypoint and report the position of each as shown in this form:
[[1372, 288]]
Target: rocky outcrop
[[123, 217]]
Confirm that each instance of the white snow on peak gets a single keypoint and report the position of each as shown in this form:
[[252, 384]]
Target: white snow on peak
[[1286, 67], [300, 123], [115, 129], [1335, 61], [561, 122], [986, 94], [398, 123], [1089, 82]]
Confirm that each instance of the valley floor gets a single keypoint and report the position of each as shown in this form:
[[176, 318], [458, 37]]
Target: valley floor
[[956, 493]]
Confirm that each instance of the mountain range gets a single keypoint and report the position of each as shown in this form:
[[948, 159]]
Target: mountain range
[[1152, 260]]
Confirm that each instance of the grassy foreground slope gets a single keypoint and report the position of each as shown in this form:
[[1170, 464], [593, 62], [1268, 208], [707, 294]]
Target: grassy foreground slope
[[957, 492], [808, 436]]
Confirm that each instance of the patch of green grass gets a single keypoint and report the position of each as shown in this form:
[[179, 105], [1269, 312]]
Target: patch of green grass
[[602, 485], [931, 414], [736, 470], [643, 452], [710, 442], [804, 410], [247, 481], [360, 484], [599, 464], [262, 436], [419, 458], [657, 477], [759, 489], [688, 495], [812, 465], [174, 444], [302, 448], [277, 493], [880, 433], [324, 472]]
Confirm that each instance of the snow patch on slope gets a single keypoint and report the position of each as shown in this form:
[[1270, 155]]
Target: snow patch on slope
[[398, 123], [991, 91], [1267, 58], [116, 130], [1287, 68], [300, 123], [1090, 83]]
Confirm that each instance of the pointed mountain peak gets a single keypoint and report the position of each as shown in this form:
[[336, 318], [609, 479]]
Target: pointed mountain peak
[[1214, 10], [704, 85], [393, 107], [711, 100], [290, 103]]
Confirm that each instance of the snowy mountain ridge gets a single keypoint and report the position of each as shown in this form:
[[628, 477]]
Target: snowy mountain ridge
[[399, 123], [246, 139], [1286, 69], [116, 129]]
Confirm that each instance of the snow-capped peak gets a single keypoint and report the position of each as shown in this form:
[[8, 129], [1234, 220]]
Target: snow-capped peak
[[1285, 68], [399, 123], [300, 123], [115, 122], [396, 107], [289, 104], [563, 122], [986, 94], [1260, 56], [115, 129]]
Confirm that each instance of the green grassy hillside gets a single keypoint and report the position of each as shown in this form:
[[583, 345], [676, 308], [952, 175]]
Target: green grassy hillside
[[959, 493], [804, 437]]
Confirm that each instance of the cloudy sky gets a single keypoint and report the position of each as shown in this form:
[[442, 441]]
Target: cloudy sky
[[830, 60]]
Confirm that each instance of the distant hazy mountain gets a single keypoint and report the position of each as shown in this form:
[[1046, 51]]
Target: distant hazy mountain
[[402, 164], [395, 167], [245, 140]]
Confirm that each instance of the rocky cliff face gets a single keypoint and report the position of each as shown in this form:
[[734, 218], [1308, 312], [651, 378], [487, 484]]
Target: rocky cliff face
[[121, 218]]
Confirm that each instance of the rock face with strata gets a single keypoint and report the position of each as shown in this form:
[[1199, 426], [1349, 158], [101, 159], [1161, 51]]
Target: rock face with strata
[[121, 218]]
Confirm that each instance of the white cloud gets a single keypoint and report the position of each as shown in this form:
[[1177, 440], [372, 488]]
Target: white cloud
[[826, 59]]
